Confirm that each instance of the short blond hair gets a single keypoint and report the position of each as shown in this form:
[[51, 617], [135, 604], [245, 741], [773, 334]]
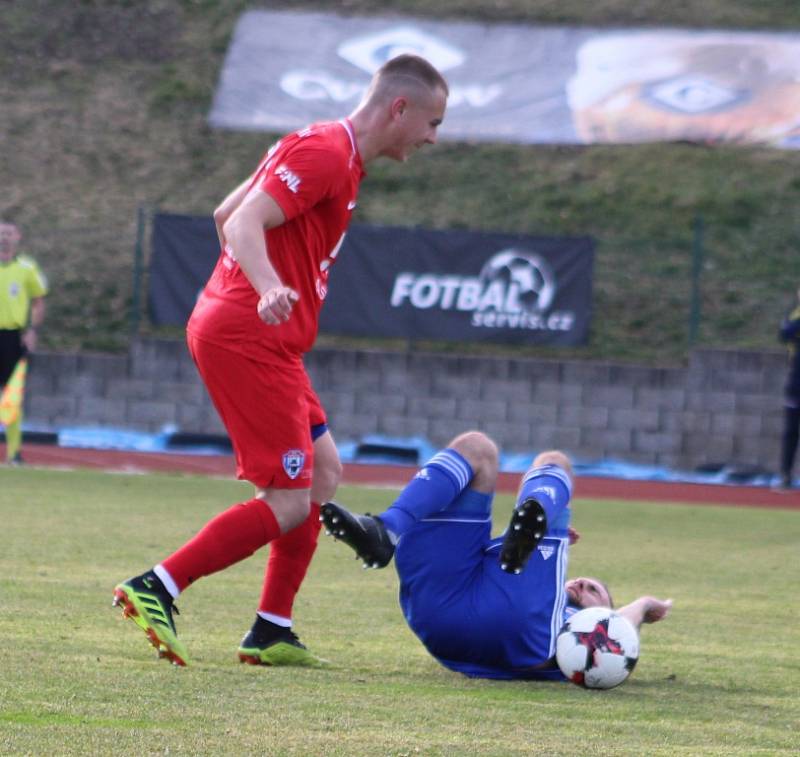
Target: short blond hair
[[406, 72]]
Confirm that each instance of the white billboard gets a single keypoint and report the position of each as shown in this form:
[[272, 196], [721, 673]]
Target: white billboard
[[516, 83]]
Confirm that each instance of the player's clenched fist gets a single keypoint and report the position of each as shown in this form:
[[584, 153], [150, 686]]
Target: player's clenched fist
[[275, 305]]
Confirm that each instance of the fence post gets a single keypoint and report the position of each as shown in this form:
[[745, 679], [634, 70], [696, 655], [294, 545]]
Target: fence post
[[135, 315], [697, 267]]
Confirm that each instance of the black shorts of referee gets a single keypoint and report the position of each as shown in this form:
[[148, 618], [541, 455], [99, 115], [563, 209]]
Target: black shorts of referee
[[11, 350]]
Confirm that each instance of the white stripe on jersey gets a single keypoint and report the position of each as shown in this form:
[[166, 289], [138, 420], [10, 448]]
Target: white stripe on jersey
[[557, 619], [457, 468]]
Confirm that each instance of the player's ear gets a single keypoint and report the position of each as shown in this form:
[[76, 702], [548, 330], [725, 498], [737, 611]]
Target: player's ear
[[399, 107]]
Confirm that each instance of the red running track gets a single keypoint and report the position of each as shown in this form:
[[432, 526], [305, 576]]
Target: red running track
[[589, 487]]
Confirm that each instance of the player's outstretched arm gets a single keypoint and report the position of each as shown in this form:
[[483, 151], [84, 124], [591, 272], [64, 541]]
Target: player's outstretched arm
[[646, 610]]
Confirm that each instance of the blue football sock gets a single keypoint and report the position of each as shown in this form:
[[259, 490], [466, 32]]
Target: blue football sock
[[550, 486], [434, 487]]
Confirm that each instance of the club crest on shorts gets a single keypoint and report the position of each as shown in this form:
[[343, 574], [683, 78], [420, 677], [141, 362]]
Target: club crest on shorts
[[293, 462]]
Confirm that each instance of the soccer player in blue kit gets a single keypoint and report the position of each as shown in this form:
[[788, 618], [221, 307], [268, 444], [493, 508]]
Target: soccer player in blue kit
[[489, 608]]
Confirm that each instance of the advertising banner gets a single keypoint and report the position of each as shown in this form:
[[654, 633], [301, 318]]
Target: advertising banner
[[411, 283], [518, 83], [185, 250], [461, 286]]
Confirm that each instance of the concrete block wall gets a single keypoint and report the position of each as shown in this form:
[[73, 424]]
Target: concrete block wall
[[155, 385], [724, 407]]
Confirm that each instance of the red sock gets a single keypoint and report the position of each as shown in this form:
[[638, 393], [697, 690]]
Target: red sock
[[226, 539], [289, 558]]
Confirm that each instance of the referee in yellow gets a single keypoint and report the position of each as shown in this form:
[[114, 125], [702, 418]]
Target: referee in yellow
[[22, 292]]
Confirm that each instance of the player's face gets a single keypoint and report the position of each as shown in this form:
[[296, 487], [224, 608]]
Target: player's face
[[416, 124], [587, 592], [9, 236]]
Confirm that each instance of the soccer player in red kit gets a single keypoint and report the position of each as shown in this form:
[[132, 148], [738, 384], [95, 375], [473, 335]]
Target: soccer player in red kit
[[280, 232]]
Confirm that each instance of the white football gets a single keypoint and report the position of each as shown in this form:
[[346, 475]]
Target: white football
[[597, 648]]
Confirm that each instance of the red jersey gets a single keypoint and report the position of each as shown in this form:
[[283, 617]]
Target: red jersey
[[314, 175]]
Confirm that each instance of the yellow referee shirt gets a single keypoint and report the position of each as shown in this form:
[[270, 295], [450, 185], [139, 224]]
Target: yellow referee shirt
[[20, 282]]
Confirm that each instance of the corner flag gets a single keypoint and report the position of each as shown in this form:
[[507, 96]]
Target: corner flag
[[11, 399]]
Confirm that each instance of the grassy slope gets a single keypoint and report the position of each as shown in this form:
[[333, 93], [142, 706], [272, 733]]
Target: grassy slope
[[717, 677], [104, 110]]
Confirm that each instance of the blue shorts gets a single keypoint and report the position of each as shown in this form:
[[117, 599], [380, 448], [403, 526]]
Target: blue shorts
[[472, 616]]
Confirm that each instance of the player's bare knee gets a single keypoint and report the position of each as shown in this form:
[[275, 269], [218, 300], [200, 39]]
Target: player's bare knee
[[290, 506], [554, 457], [480, 452]]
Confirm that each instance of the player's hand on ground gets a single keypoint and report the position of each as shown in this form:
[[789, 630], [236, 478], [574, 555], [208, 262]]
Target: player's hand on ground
[[656, 609], [572, 534], [275, 305]]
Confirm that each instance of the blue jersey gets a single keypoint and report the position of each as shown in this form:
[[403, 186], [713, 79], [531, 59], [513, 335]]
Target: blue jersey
[[790, 333], [472, 616]]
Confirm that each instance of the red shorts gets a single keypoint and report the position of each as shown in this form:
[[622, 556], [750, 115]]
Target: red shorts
[[316, 413], [267, 411]]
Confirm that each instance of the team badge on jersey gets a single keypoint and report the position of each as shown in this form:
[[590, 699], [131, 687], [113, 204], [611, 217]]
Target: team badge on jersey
[[293, 462]]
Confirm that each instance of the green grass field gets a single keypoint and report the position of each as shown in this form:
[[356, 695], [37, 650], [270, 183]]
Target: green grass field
[[719, 676]]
